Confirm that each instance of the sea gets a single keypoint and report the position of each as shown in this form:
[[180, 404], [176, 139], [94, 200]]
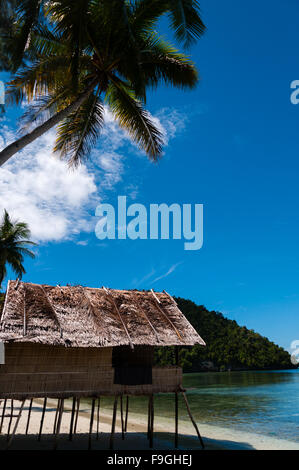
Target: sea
[[260, 402]]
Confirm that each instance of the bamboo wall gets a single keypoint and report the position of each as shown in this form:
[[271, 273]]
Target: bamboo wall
[[34, 370]]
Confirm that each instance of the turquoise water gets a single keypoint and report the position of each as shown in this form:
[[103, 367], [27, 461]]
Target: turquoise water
[[259, 402]]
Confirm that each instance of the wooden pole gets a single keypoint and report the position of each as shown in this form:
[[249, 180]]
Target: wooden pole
[[42, 420], [91, 422], [176, 420], [10, 420], [149, 417], [72, 419], [176, 354], [193, 421], [152, 423], [122, 418], [77, 415], [24, 313], [29, 414], [58, 423], [56, 416], [113, 423], [3, 415], [98, 418], [127, 412], [15, 426]]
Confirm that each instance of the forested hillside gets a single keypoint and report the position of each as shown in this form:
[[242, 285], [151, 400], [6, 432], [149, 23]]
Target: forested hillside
[[229, 346]]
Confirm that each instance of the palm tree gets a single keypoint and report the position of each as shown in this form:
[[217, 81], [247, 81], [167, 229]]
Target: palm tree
[[14, 241], [91, 52]]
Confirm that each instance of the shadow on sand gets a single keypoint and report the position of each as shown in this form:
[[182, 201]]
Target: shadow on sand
[[132, 441]]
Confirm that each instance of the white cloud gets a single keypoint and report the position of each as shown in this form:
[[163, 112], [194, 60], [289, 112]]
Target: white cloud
[[39, 189], [56, 202]]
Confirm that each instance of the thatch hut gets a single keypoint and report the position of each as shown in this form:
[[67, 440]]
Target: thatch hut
[[73, 342]]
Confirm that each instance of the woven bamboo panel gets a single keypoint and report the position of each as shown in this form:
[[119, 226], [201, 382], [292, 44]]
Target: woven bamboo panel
[[34, 370]]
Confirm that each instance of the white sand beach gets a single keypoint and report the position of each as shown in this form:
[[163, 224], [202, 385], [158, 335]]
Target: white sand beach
[[215, 438]]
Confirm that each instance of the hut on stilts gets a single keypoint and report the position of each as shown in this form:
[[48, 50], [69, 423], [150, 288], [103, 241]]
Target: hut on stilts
[[73, 342]]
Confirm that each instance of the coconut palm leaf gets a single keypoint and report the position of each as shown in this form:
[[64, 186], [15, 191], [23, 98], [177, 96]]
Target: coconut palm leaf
[[78, 133], [27, 14], [134, 119], [186, 21]]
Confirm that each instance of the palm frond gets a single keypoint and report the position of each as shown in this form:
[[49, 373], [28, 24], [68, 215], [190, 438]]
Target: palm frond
[[134, 119], [186, 21], [78, 133], [28, 12], [161, 62]]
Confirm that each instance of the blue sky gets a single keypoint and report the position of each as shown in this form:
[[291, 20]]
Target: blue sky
[[233, 146]]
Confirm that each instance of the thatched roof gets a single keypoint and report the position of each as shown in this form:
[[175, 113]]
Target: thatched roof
[[88, 317]]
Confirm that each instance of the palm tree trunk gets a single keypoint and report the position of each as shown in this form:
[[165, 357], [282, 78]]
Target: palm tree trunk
[[19, 144]]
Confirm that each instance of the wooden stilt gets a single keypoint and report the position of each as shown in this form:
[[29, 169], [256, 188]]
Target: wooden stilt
[[11, 417], [98, 418], [56, 416], [3, 415], [176, 420], [15, 426], [72, 419], [152, 423], [192, 420], [91, 422], [77, 415], [127, 412], [113, 423], [149, 417], [122, 418], [42, 420], [58, 423], [29, 414]]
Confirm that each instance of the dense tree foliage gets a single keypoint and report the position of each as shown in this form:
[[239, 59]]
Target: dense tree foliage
[[228, 345]]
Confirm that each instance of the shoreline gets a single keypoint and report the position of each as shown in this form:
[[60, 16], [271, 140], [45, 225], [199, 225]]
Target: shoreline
[[214, 437]]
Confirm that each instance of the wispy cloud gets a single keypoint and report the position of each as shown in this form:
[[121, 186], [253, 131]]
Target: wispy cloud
[[150, 279], [167, 273]]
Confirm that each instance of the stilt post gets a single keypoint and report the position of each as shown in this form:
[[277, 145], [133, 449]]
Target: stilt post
[[58, 423], [98, 417], [127, 412], [3, 415], [77, 415], [11, 417], [113, 423], [192, 420], [122, 418], [56, 416], [72, 419], [176, 420], [151, 436], [15, 426], [29, 414], [42, 420], [91, 422]]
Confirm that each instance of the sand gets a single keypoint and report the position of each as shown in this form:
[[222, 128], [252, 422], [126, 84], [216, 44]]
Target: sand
[[215, 438]]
